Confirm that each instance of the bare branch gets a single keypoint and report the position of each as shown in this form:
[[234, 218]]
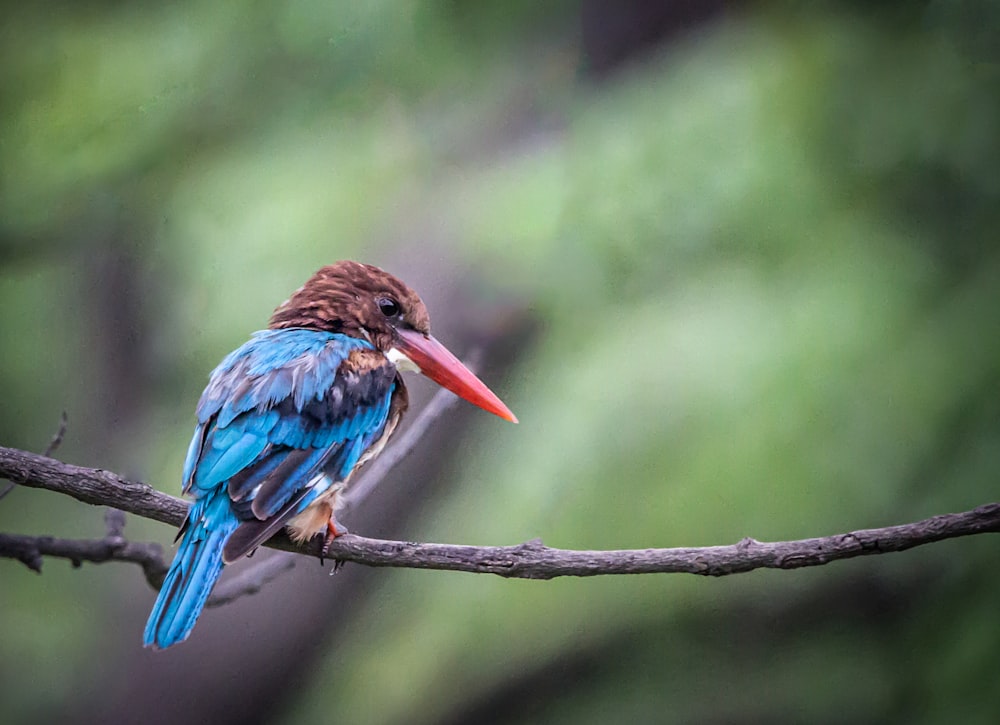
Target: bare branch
[[252, 579], [531, 560], [91, 485], [29, 550]]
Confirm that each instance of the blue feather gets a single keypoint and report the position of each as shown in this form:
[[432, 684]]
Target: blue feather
[[221, 463], [195, 568], [276, 416]]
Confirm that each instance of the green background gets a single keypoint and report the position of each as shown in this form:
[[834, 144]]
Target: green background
[[744, 282]]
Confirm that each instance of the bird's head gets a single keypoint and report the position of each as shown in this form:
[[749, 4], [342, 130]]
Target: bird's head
[[363, 301]]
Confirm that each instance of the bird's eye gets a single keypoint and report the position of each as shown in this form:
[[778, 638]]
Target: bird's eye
[[388, 306]]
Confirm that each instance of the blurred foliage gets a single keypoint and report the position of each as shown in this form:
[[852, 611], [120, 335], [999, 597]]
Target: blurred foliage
[[764, 265]]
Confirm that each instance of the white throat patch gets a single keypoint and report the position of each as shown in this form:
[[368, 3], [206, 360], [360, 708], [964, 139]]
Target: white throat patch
[[402, 363]]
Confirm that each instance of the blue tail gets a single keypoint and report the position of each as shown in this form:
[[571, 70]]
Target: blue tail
[[192, 574]]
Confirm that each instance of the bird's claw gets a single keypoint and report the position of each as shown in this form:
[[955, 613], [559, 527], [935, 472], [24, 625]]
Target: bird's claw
[[333, 530]]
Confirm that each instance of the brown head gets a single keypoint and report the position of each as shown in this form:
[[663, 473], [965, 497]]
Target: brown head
[[363, 301], [355, 299]]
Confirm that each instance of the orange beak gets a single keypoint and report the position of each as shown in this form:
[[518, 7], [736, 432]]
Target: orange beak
[[436, 362]]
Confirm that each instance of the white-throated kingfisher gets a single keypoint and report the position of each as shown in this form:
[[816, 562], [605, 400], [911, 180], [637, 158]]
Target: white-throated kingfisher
[[288, 416]]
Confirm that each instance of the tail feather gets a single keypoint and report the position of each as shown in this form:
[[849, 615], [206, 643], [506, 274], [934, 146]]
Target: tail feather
[[193, 572]]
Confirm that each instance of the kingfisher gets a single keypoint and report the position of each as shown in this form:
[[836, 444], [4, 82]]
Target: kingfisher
[[289, 415]]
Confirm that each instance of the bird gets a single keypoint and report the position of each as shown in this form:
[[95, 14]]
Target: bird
[[289, 415]]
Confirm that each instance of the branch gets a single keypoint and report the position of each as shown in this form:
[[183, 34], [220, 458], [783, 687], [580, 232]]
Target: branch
[[57, 439], [91, 485], [29, 550], [252, 579], [529, 561], [532, 560]]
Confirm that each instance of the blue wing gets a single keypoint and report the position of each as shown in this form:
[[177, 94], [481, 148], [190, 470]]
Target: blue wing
[[282, 419]]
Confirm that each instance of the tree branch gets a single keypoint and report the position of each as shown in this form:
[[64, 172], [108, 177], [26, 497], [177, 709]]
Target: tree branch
[[252, 579], [29, 550], [532, 560], [91, 485], [529, 561]]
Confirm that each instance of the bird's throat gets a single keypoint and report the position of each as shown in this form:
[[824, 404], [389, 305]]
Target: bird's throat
[[401, 361]]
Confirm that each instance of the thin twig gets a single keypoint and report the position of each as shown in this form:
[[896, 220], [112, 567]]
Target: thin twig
[[57, 439], [114, 523], [252, 579], [529, 561]]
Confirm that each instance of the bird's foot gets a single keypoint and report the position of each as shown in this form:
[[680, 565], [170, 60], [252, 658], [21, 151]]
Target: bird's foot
[[333, 530]]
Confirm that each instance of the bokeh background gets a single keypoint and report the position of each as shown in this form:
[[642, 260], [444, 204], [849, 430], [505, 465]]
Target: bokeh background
[[733, 264]]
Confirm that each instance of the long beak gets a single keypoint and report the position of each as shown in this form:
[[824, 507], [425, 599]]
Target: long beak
[[435, 361]]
